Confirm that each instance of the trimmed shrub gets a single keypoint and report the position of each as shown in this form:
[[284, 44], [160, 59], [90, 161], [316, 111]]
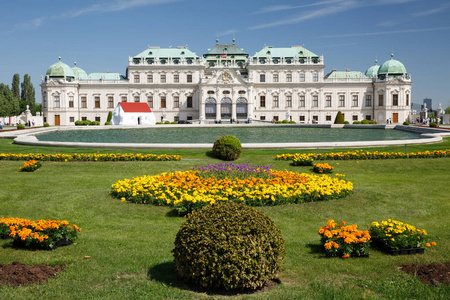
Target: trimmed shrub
[[346, 122], [109, 117], [167, 122], [356, 122], [107, 123], [339, 118], [94, 123], [372, 122], [433, 124], [278, 122], [285, 121], [406, 123], [20, 126], [157, 123], [46, 125], [174, 122], [228, 246], [227, 147], [291, 122], [365, 122]]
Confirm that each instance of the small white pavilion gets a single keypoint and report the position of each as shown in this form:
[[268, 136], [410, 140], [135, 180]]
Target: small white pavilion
[[133, 113]]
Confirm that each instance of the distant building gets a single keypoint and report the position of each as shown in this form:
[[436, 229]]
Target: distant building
[[429, 103], [226, 83]]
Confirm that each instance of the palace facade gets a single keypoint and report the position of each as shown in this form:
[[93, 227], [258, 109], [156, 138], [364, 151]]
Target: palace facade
[[226, 83]]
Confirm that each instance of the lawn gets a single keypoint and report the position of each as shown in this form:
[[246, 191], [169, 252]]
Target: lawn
[[129, 245]]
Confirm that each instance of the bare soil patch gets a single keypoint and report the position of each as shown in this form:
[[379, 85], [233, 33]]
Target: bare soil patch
[[21, 274], [434, 274]]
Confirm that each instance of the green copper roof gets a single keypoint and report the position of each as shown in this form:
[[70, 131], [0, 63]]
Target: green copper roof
[[60, 69], [78, 72], [153, 52], [373, 70], [392, 66], [229, 49], [299, 51], [106, 76]]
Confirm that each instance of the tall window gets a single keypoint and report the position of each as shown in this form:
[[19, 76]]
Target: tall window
[[275, 77], [275, 101], [149, 78], [262, 77], [163, 78], [176, 78], [176, 102], [368, 100], [315, 77], [302, 101], [380, 100], [150, 101], [189, 78], [354, 100], [407, 99], [189, 101], [57, 102], [289, 77], [288, 101], [328, 100], [302, 119], [262, 101], [137, 99], [395, 100], [124, 99], [315, 102], [163, 101], [302, 77], [341, 100], [136, 78], [71, 101], [97, 101], [355, 117], [110, 102], [83, 102], [44, 100]]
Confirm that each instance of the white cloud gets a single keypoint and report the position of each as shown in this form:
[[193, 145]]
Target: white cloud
[[433, 11], [275, 8], [384, 32], [227, 32]]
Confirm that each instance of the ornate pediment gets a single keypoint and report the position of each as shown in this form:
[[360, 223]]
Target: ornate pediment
[[226, 76]]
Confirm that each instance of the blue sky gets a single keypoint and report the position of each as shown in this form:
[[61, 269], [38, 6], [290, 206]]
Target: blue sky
[[100, 34]]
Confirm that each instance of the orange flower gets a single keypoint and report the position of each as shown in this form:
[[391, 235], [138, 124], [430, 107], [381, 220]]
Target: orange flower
[[346, 256], [433, 244], [427, 245]]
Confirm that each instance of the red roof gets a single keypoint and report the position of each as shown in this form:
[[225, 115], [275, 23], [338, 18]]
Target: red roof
[[135, 107]]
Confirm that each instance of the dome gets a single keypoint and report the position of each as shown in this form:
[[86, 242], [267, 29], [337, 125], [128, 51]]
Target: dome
[[60, 69], [78, 72], [392, 67], [373, 70]]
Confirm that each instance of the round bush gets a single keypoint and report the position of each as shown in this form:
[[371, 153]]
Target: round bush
[[356, 122], [167, 122], [46, 125], [365, 122], [346, 122], [406, 123], [227, 147], [228, 246], [20, 126], [433, 124], [107, 123]]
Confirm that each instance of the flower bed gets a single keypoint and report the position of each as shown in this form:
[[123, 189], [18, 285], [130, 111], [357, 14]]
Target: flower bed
[[344, 241], [302, 160], [363, 155], [190, 190], [397, 237], [323, 168], [30, 166], [41, 234], [90, 157]]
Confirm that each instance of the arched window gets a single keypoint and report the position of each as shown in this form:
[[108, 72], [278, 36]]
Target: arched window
[[241, 108], [225, 108], [210, 108]]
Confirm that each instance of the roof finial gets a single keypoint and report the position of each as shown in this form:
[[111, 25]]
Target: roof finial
[[217, 41], [75, 64], [234, 40], [59, 58], [376, 62], [392, 55]]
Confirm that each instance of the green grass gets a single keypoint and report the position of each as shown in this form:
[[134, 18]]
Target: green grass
[[130, 245]]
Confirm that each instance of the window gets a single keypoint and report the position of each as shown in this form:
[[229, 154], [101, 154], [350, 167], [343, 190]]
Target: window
[[210, 92], [328, 101], [176, 118], [163, 101], [275, 101], [288, 101], [150, 101], [368, 117], [136, 78], [262, 101], [83, 118], [302, 77], [262, 77], [395, 100], [341, 100], [163, 78], [137, 98], [302, 119], [70, 101], [241, 92], [71, 119], [44, 100], [124, 98], [262, 118], [315, 118], [97, 101], [189, 78], [189, 118], [189, 101], [149, 78], [97, 119], [315, 77], [110, 102], [83, 102], [328, 118], [368, 100], [176, 78], [57, 103], [407, 99], [275, 118], [315, 102], [354, 100], [302, 101], [380, 100], [275, 77], [289, 77], [355, 117], [176, 102]]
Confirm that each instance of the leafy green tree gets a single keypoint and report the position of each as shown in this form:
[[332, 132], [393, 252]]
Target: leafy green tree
[[447, 110], [339, 118], [15, 88], [38, 107], [9, 106], [27, 96]]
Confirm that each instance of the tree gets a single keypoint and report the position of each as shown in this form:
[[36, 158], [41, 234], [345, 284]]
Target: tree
[[9, 106], [339, 118], [27, 96], [447, 110], [15, 87]]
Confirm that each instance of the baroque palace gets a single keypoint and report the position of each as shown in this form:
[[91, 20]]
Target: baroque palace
[[227, 84]]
